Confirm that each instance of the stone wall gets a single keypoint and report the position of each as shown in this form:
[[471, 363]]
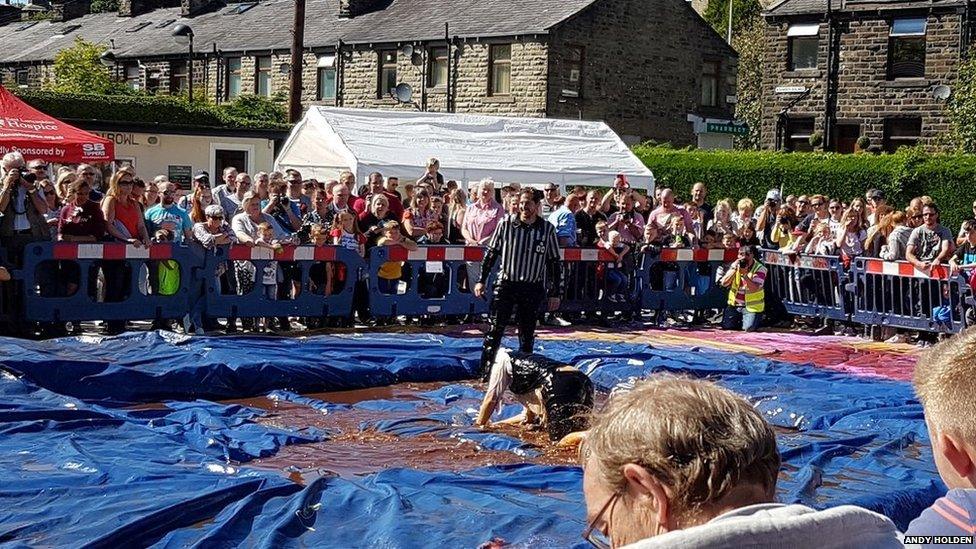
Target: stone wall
[[642, 79], [864, 95]]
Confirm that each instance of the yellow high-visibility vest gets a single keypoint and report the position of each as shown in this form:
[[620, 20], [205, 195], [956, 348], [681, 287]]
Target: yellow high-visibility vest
[[755, 301]]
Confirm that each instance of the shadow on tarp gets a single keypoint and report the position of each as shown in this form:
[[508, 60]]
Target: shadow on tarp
[[856, 440]]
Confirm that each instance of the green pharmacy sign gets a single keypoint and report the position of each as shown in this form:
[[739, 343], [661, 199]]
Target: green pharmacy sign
[[727, 128]]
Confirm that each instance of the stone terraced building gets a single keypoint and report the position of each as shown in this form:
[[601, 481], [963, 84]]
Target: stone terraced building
[[646, 67]]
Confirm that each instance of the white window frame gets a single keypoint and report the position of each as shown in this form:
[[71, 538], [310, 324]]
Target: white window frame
[[214, 147]]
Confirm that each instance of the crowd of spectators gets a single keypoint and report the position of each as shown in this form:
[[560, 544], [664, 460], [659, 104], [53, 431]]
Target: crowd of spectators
[[73, 205]]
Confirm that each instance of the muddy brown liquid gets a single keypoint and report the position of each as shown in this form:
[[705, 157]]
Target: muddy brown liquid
[[352, 450]]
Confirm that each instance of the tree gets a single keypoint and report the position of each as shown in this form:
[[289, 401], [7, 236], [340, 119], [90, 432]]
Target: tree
[[102, 6], [744, 13], [961, 108], [77, 69]]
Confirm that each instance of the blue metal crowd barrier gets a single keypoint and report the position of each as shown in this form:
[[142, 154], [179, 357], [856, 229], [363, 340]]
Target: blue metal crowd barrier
[[672, 280], [899, 295], [808, 285], [433, 276], [60, 281], [315, 265]]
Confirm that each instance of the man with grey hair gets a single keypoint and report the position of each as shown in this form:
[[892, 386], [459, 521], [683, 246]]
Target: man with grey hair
[[22, 206], [685, 463]]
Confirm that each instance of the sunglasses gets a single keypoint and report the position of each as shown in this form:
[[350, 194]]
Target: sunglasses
[[802, 202], [929, 214], [125, 182], [168, 193], [816, 204], [42, 168], [50, 193]]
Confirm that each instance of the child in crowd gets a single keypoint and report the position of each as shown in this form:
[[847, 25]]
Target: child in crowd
[[433, 284], [747, 235], [945, 381], [345, 233], [697, 221], [615, 276], [679, 237], [270, 277], [390, 272], [821, 239], [729, 241], [168, 274], [320, 273]]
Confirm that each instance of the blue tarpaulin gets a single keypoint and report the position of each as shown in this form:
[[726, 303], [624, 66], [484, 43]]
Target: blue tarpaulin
[[75, 468]]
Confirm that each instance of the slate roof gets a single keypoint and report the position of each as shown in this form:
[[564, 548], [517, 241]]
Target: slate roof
[[805, 7], [267, 26]]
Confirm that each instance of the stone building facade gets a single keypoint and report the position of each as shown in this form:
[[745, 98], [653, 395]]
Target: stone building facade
[[893, 71], [604, 60]]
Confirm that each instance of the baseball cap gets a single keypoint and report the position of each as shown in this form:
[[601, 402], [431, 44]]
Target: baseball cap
[[876, 194], [773, 194], [202, 174]]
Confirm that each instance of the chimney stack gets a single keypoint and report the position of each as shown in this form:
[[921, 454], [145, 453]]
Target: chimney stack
[[353, 8], [131, 8], [66, 10], [193, 7]]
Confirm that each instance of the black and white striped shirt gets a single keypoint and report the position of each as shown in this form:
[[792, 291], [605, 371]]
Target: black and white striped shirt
[[525, 251]]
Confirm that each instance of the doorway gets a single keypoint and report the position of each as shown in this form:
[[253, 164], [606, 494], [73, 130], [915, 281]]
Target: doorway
[[847, 136]]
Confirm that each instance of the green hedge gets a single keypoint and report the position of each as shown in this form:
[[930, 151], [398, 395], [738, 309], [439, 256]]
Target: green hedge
[[949, 179], [150, 109]]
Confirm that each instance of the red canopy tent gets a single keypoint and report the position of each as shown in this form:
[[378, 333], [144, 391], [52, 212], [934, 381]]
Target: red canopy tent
[[37, 135]]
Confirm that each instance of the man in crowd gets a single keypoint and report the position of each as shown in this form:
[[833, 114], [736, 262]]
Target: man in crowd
[[229, 186], [819, 214], [627, 222], [699, 193], [167, 215], [930, 244], [875, 199], [662, 215], [339, 203], [391, 187], [231, 202], [295, 192], [564, 220], [552, 200], [87, 173], [945, 381], [745, 281], [587, 218], [685, 463], [22, 207], [200, 179], [376, 187], [527, 247]]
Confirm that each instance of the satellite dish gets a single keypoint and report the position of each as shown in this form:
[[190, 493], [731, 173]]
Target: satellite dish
[[402, 92], [407, 50], [416, 59], [941, 92]]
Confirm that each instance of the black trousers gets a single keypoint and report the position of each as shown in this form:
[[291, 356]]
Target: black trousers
[[522, 298]]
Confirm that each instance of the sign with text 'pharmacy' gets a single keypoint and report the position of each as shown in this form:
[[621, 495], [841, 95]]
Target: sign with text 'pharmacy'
[[727, 128]]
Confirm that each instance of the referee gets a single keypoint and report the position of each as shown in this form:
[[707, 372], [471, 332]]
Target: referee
[[527, 245]]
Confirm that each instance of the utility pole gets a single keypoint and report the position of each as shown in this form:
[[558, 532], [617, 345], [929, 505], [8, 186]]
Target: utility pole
[[297, 47]]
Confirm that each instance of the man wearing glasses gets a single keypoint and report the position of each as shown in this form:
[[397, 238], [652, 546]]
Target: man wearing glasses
[[820, 214], [930, 244], [747, 301], [685, 463], [167, 215], [87, 173]]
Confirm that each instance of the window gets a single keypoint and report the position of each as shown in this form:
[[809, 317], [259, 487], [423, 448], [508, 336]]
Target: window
[[573, 72], [326, 78], [803, 46], [179, 77], [500, 69], [133, 76], [139, 26], [262, 76], [901, 132], [798, 132], [233, 77], [906, 49], [240, 8], [437, 67], [388, 73], [23, 77], [709, 84]]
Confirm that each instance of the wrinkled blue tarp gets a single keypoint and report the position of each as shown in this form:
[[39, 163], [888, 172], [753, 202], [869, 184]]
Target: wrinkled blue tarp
[[75, 472]]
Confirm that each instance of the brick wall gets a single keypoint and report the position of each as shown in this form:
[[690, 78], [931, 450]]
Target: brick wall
[[864, 95], [643, 79]]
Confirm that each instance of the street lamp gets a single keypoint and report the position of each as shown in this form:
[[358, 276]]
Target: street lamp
[[183, 34]]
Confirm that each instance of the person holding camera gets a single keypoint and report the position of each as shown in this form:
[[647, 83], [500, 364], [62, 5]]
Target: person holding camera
[[22, 205], [745, 280]]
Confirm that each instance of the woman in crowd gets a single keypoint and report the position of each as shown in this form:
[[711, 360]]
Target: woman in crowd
[[419, 215], [213, 231], [480, 220], [53, 200], [246, 227], [896, 230], [151, 197], [202, 197], [456, 207], [851, 234], [878, 233], [372, 219], [782, 234], [913, 216], [123, 216], [747, 235], [721, 221], [65, 179]]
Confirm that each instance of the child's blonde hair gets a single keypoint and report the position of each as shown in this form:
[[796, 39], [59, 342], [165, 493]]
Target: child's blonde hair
[[945, 382]]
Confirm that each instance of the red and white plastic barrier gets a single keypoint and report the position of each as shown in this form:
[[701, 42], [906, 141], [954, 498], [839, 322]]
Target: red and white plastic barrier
[[241, 252], [437, 253], [110, 251], [585, 254], [699, 254], [905, 269]]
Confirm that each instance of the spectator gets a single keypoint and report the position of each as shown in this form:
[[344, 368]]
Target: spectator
[[612, 197], [457, 206], [586, 219], [262, 185], [802, 207], [81, 219], [721, 221], [878, 232], [22, 207], [408, 191], [317, 216], [214, 230], [346, 234], [677, 235], [748, 236], [964, 257], [432, 176], [836, 210], [151, 196], [246, 227], [392, 183], [375, 187], [564, 220], [944, 380], [512, 204], [897, 231], [783, 236], [699, 193], [438, 210], [819, 211], [64, 180], [480, 219], [745, 209], [39, 168], [419, 215], [551, 200], [53, 201], [913, 217], [230, 199], [875, 199], [766, 217], [285, 211], [697, 227], [662, 216], [123, 216], [822, 239], [790, 201], [200, 179], [390, 272], [747, 299], [685, 463], [930, 244], [226, 189], [201, 199], [851, 235], [339, 203], [92, 177], [372, 221], [301, 201], [167, 215], [615, 275], [626, 221]]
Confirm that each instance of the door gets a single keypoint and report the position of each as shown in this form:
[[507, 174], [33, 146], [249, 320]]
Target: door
[[224, 158], [847, 136]]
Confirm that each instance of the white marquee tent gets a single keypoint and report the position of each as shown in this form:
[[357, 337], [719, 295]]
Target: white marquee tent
[[470, 147]]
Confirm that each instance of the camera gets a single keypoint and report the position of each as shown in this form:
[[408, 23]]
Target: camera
[[284, 201], [26, 175], [742, 262]]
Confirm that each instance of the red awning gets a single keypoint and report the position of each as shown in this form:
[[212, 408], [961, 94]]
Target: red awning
[[37, 135]]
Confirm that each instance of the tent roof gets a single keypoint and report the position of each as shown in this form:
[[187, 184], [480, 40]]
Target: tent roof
[[469, 147], [38, 135]]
